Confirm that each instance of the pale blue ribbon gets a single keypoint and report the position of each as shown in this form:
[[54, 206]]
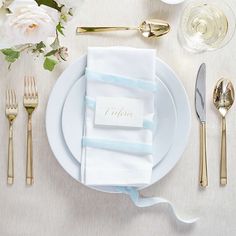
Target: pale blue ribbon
[[118, 145], [121, 81], [151, 201], [91, 104]]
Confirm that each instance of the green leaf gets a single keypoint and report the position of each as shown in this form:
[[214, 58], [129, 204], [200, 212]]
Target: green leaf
[[49, 64], [49, 3], [11, 55], [39, 47], [56, 44], [60, 28], [51, 53]]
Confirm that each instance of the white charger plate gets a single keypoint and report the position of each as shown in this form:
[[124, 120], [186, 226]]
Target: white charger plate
[[165, 115], [54, 116]]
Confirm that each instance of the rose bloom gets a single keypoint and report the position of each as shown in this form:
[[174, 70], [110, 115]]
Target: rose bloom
[[28, 23]]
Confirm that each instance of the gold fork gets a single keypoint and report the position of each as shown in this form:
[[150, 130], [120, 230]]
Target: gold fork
[[30, 103], [11, 113]]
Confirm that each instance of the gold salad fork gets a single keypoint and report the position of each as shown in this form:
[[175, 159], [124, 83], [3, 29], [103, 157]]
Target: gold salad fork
[[11, 113], [30, 103]]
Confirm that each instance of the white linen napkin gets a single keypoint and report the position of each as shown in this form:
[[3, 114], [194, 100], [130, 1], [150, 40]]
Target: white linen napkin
[[105, 166]]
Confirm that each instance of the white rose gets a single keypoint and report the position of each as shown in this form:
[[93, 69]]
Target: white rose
[[28, 23], [1, 3]]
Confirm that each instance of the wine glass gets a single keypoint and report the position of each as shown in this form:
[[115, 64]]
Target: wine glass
[[206, 25]]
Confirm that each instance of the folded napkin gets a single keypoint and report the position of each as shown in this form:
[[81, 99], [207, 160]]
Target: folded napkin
[[118, 155]]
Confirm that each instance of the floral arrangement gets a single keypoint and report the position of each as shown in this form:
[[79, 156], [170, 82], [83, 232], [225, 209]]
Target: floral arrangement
[[29, 25]]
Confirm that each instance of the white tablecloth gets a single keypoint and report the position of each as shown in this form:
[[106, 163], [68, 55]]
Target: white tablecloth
[[58, 205]]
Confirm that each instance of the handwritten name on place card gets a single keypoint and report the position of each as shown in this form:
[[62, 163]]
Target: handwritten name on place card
[[119, 111]]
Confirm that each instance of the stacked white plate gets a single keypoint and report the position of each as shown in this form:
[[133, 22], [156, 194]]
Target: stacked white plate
[[65, 116]]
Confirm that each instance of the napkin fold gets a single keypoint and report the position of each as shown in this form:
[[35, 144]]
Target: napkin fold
[[114, 155]]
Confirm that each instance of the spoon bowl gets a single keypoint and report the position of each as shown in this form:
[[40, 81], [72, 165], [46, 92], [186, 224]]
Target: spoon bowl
[[154, 28], [223, 96]]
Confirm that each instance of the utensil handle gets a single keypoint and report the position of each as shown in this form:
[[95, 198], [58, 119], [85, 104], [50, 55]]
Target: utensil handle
[[81, 30], [29, 161], [10, 166], [223, 161], [203, 156]]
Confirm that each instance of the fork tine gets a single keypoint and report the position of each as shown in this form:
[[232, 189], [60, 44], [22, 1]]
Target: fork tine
[[11, 98], [14, 99], [28, 86], [32, 86], [36, 91], [25, 86], [35, 87], [7, 98]]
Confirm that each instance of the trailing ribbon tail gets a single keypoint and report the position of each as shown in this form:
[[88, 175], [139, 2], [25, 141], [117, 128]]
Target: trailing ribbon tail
[[151, 201]]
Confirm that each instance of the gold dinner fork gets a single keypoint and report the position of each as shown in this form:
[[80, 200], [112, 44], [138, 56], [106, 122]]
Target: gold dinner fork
[[11, 113], [30, 103]]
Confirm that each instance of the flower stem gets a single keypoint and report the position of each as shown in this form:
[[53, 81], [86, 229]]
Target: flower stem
[[25, 48]]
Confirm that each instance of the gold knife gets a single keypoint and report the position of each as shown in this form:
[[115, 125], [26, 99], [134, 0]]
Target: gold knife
[[200, 106]]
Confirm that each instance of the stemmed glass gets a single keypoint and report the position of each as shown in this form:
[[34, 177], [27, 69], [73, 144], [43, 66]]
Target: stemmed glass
[[206, 25]]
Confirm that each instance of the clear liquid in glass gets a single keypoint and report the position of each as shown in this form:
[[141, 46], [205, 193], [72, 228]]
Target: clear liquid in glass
[[203, 27]]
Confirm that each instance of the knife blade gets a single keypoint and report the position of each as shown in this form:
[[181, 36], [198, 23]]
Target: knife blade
[[200, 93], [200, 107]]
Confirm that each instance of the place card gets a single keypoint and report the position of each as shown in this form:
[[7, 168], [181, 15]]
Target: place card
[[119, 111]]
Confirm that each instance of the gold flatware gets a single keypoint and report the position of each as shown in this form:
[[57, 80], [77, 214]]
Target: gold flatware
[[223, 98], [200, 107], [30, 101], [148, 28], [11, 113]]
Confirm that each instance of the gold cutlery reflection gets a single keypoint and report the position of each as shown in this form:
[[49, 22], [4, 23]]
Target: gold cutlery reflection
[[148, 28], [223, 99], [11, 113], [30, 101]]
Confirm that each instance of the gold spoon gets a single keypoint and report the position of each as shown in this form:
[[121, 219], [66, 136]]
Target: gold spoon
[[223, 98], [148, 28]]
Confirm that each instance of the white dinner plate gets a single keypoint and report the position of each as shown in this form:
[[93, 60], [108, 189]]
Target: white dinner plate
[[165, 115], [54, 115]]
